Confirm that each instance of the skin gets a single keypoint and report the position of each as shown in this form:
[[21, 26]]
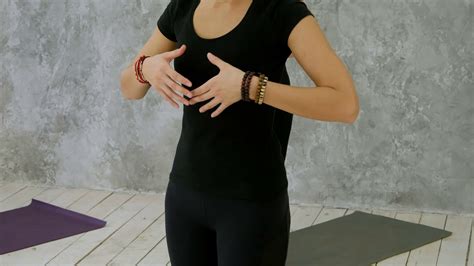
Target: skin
[[334, 99]]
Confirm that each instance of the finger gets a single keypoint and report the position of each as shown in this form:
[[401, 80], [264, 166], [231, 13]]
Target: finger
[[219, 110], [209, 105], [170, 94], [172, 86], [167, 98], [216, 60], [170, 55], [203, 88], [202, 97], [175, 86], [179, 78]]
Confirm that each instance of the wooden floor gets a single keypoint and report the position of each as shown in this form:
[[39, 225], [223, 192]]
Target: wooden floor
[[135, 230]]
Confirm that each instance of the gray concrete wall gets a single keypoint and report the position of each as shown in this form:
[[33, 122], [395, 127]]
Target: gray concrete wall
[[64, 121]]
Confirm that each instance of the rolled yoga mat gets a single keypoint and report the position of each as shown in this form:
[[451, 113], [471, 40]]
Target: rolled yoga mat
[[41, 222], [357, 239]]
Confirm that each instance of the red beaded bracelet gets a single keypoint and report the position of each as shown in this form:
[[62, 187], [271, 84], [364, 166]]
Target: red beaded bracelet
[[138, 69]]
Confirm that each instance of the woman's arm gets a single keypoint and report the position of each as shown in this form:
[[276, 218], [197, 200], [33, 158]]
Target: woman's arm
[[130, 87], [335, 98], [157, 71]]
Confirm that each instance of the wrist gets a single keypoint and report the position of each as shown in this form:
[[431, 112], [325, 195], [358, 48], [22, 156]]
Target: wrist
[[253, 88], [143, 69]]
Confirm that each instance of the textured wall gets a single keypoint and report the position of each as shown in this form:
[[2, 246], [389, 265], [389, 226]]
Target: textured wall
[[64, 121]]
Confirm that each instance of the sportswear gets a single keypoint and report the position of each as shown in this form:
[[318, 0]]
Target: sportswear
[[241, 152]]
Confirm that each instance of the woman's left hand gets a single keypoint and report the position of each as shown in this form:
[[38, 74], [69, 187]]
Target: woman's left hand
[[224, 87]]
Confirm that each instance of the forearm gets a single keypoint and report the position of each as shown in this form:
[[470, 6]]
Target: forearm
[[129, 85], [318, 103]]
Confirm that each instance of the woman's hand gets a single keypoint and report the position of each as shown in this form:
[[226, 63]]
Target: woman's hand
[[224, 87], [158, 71]]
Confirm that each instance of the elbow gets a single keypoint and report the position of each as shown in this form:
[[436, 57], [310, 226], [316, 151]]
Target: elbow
[[352, 116], [351, 112]]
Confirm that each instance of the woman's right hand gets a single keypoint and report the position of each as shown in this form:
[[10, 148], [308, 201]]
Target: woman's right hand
[[158, 71]]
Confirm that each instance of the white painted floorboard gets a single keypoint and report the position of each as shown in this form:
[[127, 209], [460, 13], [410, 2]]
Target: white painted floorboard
[[135, 230]]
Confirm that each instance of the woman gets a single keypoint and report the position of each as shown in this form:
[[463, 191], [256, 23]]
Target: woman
[[227, 200]]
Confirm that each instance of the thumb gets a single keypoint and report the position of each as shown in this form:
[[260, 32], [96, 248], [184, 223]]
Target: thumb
[[215, 60], [176, 52]]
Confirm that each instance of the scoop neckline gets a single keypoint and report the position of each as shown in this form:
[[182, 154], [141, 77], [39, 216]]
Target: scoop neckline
[[240, 24]]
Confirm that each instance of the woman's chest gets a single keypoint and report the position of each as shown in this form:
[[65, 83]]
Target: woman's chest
[[248, 46]]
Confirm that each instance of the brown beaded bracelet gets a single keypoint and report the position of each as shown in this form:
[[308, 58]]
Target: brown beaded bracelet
[[242, 86], [245, 88]]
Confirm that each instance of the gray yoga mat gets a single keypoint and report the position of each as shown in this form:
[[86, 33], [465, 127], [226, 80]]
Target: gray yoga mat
[[357, 239]]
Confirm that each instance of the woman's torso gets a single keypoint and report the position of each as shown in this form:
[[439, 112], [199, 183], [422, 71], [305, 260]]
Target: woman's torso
[[241, 152]]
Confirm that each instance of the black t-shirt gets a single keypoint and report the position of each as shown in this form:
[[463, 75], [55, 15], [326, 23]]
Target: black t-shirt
[[241, 152]]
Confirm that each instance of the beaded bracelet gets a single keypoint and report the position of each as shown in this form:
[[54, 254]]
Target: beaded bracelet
[[138, 69], [245, 88], [242, 86]]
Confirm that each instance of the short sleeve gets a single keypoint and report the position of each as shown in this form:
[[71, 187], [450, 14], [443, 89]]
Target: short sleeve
[[289, 13], [165, 22]]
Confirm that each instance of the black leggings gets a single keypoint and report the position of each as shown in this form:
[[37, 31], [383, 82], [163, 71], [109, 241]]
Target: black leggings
[[206, 230]]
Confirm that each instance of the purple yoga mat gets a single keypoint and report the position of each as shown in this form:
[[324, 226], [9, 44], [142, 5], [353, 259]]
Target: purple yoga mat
[[41, 222]]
